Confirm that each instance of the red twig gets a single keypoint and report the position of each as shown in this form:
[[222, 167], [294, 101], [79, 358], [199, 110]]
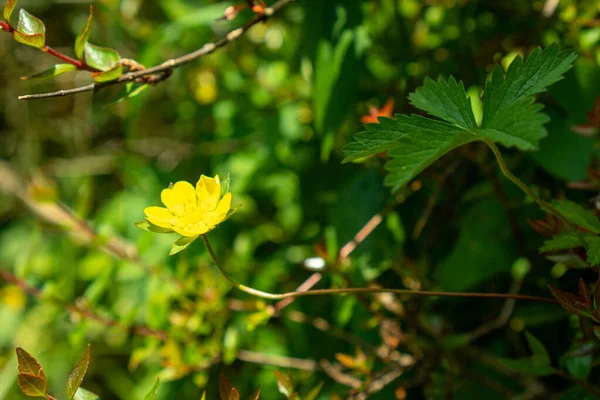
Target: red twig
[[77, 63]]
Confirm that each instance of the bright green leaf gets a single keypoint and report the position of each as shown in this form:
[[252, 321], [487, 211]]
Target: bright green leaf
[[130, 90], [182, 243], [30, 30], [28, 364], [78, 374], [414, 143], [8, 9], [33, 386], [56, 70], [101, 58], [83, 37], [563, 241], [445, 99], [151, 395], [150, 227], [83, 394], [109, 75]]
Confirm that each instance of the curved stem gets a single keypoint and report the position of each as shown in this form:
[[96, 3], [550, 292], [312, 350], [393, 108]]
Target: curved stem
[[315, 292], [542, 203]]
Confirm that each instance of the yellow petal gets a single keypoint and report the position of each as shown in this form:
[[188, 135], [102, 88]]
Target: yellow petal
[[208, 191], [218, 215], [160, 216], [198, 229], [180, 199]]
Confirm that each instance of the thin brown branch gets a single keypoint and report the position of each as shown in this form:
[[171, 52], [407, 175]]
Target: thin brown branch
[[167, 66], [277, 361], [78, 308]]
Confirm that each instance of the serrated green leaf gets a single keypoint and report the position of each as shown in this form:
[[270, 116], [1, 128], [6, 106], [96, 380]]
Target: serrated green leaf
[[519, 125], [540, 354], [182, 243], [578, 215], [505, 92], [150, 227], [56, 70], [110, 75], [33, 386], [563, 241], [30, 30], [414, 143], [83, 37], [8, 9], [83, 394], [78, 373], [27, 364], [101, 58], [151, 395], [445, 99]]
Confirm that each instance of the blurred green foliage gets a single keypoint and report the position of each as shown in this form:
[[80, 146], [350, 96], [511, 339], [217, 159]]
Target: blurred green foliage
[[274, 110]]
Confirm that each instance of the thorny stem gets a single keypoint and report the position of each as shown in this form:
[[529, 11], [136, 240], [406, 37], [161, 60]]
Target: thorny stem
[[542, 203], [315, 292]]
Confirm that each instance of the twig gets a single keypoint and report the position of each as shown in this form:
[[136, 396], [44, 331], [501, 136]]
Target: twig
[[277, 361], [81, 310], [169, 65]]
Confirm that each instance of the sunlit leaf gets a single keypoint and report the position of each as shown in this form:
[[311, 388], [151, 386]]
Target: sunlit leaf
[[151, 395], [110, 75], [101, 58], [150, 227], [33, 386], [8, 9], [83, 37], [28, 364], [56, 70], [83, 394], [30, 30], [78, 374], [182, 243]]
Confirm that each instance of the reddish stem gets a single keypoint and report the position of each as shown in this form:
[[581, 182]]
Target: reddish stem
[[6, 27], [77, 63]]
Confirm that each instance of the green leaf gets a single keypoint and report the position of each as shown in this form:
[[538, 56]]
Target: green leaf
[[445, 99], [152, 393], [101, 58], [563, 241], [540, 354], [580, 367], [520, 124], [83, 394], [78, 373], [83, 37], [56, 70], [33, 386], [523, 80], [225, 184], [130, 90], [110, 75], [8, 9], [578, 215], [182, 243], [28, 364], [150, 227], [525, 365], [314, 392], [30, 30], [593, 250], [414, 143]]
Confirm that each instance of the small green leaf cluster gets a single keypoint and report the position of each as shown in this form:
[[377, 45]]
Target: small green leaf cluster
[[510, 116]]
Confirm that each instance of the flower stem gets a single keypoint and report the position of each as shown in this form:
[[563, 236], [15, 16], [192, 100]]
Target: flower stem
[[542, 203], [314, 292]]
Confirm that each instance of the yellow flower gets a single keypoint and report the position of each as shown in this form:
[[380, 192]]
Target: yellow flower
[[191, 211]]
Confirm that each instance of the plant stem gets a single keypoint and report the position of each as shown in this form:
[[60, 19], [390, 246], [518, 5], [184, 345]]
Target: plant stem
[[77, 63], [315, 292], [542, 203]]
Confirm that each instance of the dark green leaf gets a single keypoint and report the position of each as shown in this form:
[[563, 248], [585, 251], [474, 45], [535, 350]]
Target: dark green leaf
[[580, 367], [540, 354], [83, 394], [101, 58], [56, 70], [83, 37], [526, 365], [33, 386], [597, 294], [182, 243], [593, 250], [414, 143], [314, 392], [151, 395], [8, 9], [563, 241], [578, 215], [130, 90], [28, 364], [445, 99], [78, 374], [30, 30]]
